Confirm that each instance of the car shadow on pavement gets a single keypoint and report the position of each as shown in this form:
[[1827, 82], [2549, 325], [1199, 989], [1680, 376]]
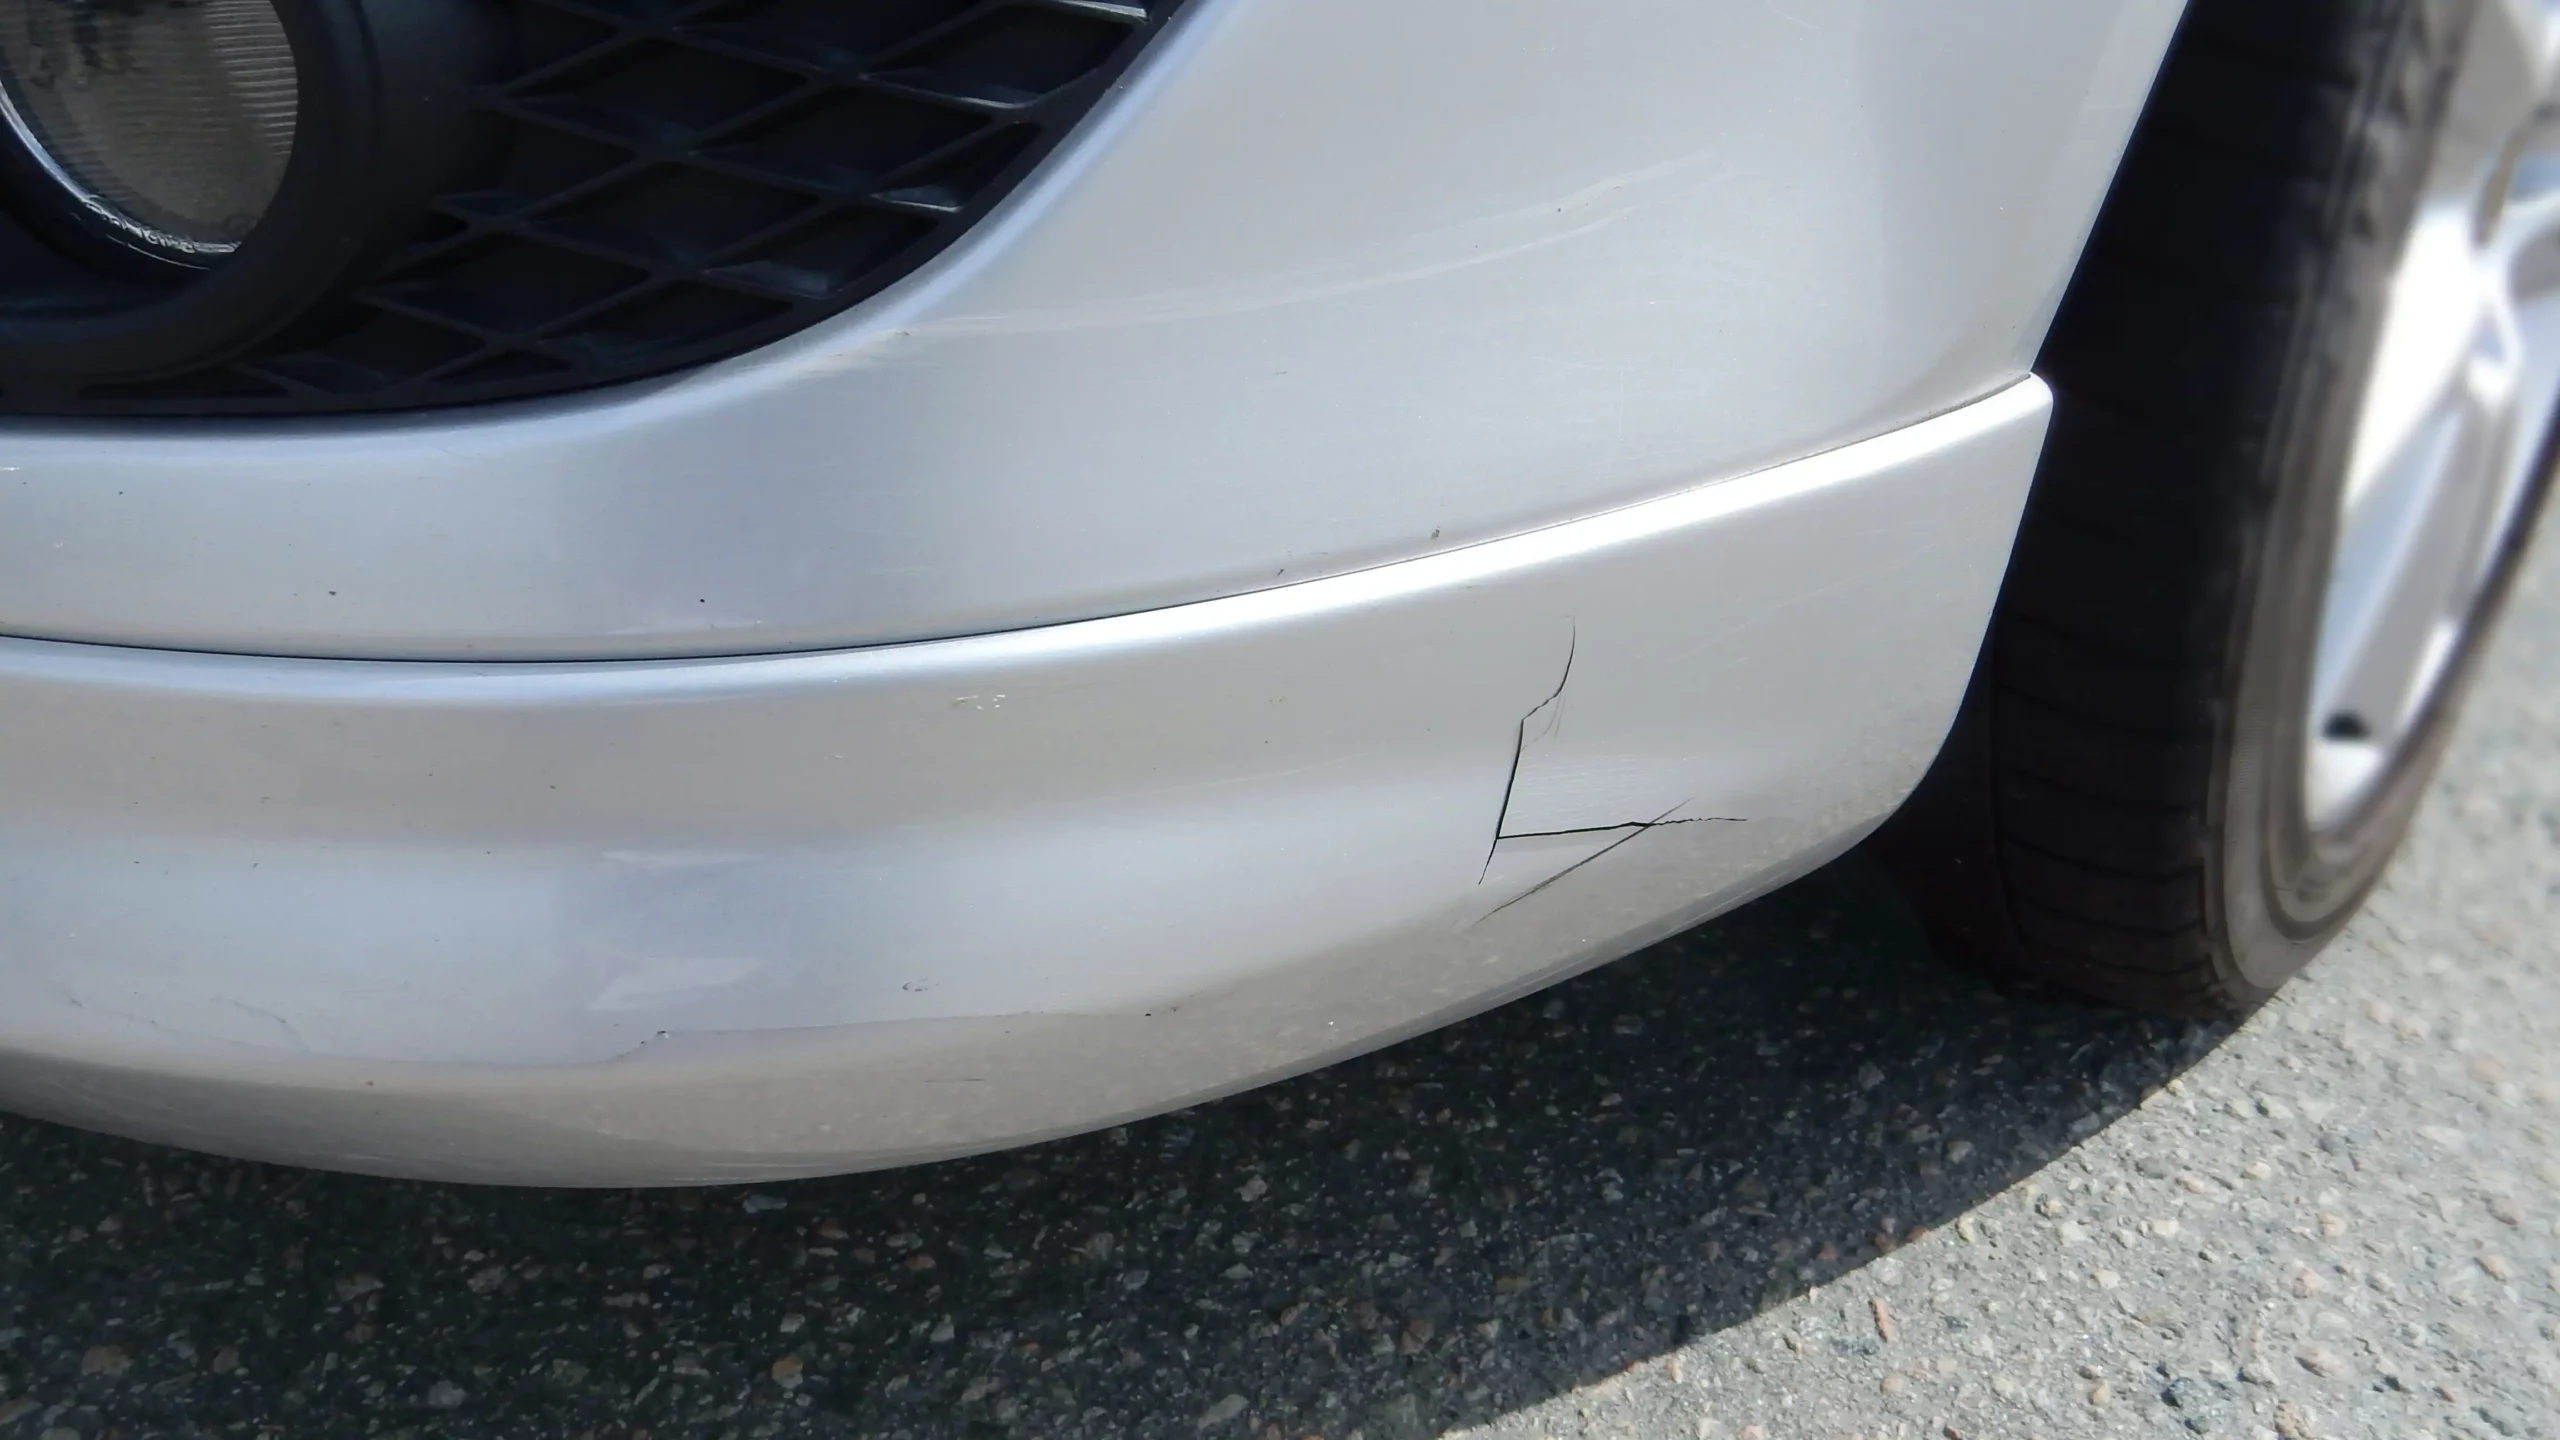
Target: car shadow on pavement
[[1419, 1240]]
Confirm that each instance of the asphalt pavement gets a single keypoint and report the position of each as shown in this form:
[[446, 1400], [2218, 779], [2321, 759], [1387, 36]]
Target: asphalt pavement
[[1783, 1176]]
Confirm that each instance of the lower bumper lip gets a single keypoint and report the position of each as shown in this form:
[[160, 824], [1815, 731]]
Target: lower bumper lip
[[728, 919]]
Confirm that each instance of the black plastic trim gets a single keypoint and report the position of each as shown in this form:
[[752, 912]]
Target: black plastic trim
[[658, 184]]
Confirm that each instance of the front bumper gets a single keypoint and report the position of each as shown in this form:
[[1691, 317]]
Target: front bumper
[[716, 919]]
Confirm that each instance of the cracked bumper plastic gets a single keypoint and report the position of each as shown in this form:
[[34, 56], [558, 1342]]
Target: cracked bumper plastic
[[722, 919]]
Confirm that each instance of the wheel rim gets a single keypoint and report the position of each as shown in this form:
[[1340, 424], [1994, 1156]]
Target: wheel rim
[[2466, 375]]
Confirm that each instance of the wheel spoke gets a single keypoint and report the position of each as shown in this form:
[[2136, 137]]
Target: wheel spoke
[[2412, 582], [2394, 575], [2437, 306]]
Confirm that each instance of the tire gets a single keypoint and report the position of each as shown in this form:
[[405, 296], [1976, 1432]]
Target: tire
[[2120, 812]]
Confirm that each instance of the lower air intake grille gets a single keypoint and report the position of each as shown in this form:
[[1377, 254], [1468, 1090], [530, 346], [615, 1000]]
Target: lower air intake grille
[[669, 182]]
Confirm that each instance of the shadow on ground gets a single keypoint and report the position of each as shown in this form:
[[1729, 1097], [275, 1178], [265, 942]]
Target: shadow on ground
[[1428, 1237]]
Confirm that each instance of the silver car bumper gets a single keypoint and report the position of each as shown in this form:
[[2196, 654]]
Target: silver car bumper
[[704, 919], [1363, 471]]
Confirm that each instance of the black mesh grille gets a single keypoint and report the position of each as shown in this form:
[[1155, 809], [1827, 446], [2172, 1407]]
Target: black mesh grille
[[674, 181]]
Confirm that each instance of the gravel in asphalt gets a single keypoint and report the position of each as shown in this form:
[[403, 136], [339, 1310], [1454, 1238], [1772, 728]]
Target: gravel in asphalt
[[1782, 1176]]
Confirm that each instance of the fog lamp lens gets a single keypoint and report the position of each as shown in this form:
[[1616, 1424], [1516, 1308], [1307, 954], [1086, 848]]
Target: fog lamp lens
[[168, 120]]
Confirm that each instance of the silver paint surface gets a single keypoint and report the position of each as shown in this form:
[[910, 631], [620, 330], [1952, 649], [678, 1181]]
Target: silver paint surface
[[609, 923]]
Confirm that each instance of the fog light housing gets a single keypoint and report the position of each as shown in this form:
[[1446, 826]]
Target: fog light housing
[[167, 124], [181, 179]]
